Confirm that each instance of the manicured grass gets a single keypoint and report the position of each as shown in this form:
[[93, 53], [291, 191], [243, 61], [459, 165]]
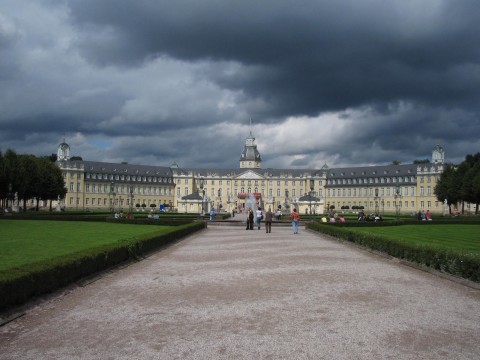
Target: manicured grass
[[28, 241], [459, 238]]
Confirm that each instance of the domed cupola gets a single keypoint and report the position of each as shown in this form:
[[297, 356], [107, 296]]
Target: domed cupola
[[438, 155], [250, 157], [63, 151]]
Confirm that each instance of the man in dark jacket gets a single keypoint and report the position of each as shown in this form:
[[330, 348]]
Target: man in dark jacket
[[268, 220]]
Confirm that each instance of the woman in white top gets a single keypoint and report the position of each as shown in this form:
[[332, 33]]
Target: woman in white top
[[258, 217]]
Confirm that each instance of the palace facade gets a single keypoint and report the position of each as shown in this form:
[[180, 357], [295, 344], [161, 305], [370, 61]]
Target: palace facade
[[128, 187]]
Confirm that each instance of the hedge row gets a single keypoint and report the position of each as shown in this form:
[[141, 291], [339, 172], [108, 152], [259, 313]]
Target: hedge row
[[464, 265], [168, 221], [90, 218], [21, 284], [145, 221]]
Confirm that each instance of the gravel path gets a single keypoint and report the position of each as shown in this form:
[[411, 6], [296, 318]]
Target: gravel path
[[227, 293]]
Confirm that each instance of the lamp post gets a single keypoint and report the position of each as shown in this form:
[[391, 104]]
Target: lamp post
[[112, 194], [312, 185], [9, 195], [286, 201], [397, 202], [203, 193], [131, 199]]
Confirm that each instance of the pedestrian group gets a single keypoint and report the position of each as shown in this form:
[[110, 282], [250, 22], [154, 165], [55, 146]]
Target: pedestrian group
[[258, 216]]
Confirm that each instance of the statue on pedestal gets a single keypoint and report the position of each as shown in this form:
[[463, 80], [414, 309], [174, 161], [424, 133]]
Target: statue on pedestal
[[15, 207], [57, 208]]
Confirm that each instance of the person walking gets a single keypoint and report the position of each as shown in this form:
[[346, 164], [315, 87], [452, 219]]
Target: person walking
[[295, 217], [212, 214], [249, 220], [258, 217], [268, 220]]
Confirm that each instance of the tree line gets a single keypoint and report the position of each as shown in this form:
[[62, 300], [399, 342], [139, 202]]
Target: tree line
[[460, 183], [29, 177]]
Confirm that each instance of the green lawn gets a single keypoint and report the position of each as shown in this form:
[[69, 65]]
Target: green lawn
[[28, 241], [462, 238]]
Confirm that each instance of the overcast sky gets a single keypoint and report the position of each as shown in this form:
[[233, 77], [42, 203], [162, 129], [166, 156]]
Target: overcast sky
[[342, 82]]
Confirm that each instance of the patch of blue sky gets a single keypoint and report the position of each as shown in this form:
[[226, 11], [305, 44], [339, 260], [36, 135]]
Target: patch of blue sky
[[103, 144]]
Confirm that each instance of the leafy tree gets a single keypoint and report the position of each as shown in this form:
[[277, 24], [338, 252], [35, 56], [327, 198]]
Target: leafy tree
[[53, 158], [27, 178], [51, 185], [460, 183], [470, 173], [8, 169], [3, 181], [448, 186]]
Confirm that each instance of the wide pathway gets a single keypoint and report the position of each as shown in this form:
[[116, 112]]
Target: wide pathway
[[227, 293]]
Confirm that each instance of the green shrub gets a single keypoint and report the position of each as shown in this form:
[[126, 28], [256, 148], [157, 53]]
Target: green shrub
[[462, 264]]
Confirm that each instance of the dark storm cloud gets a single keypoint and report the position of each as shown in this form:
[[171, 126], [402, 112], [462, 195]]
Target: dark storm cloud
[[315, 55], [344, 82]]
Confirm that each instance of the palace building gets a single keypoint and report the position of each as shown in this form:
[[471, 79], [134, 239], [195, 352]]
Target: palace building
[[127, 187]]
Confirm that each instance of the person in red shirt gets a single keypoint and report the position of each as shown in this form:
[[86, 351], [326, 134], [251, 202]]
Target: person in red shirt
[[295, 217]]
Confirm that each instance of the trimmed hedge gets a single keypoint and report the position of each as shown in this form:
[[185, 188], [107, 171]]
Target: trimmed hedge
[[21, 284], [90, 218], [465, 265], [146, 221]]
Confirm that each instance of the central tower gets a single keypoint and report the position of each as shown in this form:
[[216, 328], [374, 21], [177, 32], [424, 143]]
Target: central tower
[[250, 158]]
